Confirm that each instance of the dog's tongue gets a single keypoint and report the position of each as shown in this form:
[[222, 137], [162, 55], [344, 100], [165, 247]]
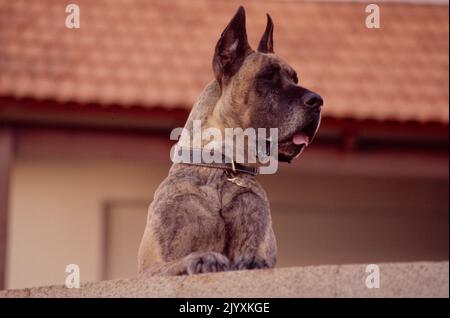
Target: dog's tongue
[[300, 139]]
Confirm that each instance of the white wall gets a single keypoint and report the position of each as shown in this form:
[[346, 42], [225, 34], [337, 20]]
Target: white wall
[[55, 215]]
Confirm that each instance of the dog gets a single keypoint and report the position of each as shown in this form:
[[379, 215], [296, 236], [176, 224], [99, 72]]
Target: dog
[[207, 218]]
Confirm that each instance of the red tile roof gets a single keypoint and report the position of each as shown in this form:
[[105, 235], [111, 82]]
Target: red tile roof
[[158, 53]]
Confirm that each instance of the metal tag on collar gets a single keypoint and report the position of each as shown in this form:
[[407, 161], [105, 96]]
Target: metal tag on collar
[[238, 181], [231, 176]]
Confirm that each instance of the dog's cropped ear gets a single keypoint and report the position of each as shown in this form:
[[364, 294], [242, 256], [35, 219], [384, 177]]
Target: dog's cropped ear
[[266, 43], [232, 47]]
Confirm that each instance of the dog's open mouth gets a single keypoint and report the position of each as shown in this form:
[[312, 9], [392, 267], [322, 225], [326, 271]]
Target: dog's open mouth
[[301, 139], [291, 147]]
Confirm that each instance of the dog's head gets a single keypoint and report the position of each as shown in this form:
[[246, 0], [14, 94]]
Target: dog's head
[[260, 90]]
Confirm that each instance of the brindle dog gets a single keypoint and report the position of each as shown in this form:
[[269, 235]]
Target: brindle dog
[[201, 222]]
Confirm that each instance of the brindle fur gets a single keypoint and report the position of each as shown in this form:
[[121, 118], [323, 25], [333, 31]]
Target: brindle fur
[[199, 221]]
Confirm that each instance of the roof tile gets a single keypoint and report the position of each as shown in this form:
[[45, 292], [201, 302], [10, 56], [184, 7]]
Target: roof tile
[[158, 53]]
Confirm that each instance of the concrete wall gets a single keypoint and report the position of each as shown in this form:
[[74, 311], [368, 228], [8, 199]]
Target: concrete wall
[[396, 280]]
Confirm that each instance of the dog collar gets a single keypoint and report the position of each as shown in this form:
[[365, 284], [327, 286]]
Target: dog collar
[[231, 168]]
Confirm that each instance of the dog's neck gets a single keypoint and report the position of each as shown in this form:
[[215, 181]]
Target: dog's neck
[[205, 112], [204, 106], [208, 109]]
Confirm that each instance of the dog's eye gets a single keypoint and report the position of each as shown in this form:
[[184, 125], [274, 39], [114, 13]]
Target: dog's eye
[[271, 73]]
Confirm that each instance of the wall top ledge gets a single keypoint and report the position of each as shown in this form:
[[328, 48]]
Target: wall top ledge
[[418, 279]]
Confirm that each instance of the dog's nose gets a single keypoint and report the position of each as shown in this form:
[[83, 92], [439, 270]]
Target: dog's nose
[[312, 100]]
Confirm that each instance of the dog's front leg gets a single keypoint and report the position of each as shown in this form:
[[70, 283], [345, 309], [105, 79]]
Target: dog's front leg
[[250, 241], [184, 235]]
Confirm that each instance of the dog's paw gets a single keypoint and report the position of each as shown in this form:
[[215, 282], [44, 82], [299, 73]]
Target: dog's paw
[[250, 262], [208, 262]]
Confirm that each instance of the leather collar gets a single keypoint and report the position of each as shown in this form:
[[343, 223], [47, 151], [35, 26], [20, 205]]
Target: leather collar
[[231, 167]]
